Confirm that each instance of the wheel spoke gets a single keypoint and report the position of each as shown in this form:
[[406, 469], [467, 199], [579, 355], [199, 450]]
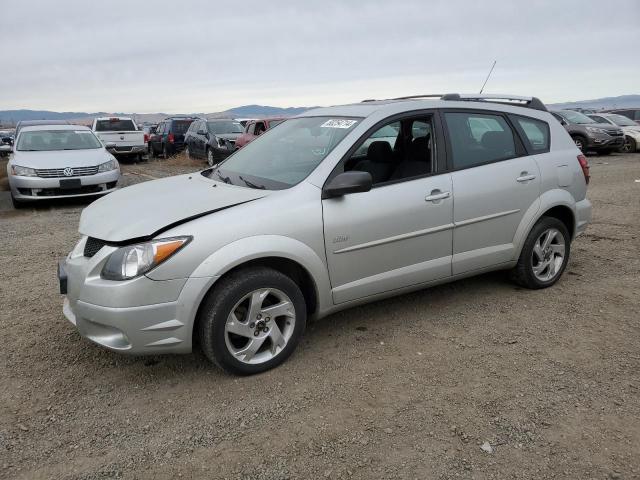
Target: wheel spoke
[[248, 352], [538, 269], [551, 234], [277, 340], [236, 326], [255, 304], [558, 249], [537, 249], [278, 310]]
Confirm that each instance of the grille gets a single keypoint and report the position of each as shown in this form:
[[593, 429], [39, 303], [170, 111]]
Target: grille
[[59, 172], [93, 246]]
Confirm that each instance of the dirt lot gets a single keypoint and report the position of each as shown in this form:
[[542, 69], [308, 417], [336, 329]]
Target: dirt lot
[[405, 388]]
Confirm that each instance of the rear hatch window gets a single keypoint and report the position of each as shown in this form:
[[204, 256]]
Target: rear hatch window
[[115, 124], [181, 126]]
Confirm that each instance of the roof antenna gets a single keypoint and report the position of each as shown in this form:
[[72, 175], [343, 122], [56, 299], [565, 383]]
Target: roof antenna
[[487, 79]]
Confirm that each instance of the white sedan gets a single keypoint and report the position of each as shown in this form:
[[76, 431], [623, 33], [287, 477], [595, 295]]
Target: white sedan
[[56, 161]]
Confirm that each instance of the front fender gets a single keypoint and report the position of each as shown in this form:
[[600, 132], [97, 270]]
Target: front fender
[[549, 199], [263, 246]]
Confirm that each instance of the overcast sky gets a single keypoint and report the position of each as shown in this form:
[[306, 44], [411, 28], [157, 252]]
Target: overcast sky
[[207, 56]]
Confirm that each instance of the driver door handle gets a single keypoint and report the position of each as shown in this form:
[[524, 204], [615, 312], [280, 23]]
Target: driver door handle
[[437, 195], [524, 177]]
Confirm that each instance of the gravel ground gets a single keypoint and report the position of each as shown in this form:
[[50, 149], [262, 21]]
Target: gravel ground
[[410, 387]]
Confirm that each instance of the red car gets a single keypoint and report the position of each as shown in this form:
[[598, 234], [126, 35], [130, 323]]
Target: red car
[[256, 127]]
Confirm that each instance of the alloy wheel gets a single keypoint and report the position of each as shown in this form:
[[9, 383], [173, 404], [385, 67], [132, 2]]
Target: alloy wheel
[[210, 159], [548, 255], [260, 325], [579, 144]]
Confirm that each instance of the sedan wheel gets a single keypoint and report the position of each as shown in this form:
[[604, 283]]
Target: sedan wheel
[[548, 255], [260, 325], [210, 160], [629, 145], [252, 320], [544, 255], [580, 143]]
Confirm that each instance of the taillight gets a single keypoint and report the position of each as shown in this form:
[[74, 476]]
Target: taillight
[[171, 138], [146, 138], [584, 164]]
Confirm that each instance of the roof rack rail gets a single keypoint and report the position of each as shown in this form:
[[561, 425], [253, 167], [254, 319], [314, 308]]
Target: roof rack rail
[[529, 102]]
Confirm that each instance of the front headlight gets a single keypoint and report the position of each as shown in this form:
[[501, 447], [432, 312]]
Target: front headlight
[[596, 130], [23, 171], [107, 166], [135, 260]]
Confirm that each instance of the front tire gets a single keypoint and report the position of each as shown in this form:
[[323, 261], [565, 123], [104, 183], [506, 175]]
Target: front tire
[[581, 143], [545, 254], [210, 160], [252, 321]]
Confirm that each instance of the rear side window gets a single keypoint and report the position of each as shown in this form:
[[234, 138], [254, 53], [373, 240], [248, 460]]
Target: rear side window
[[535, 133], [115, 124], [478, 138]]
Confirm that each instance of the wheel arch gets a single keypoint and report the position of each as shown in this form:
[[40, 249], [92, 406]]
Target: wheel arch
[[286, 255], [557, 203]]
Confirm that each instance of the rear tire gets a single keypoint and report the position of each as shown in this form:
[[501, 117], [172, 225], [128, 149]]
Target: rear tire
[[210, 160], [629, 145], [152, 152], [165, 152], [543, 258], [581, 142], [236, 312]]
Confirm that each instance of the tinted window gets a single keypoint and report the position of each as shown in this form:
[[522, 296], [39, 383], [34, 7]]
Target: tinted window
[[622, 121], [251, 128], [536, 133], [181, 126], [115, 124], [479, 138], [576, 117], [598, 118]]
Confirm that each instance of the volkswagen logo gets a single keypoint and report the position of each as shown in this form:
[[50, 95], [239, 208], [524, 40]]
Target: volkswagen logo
[[68, 172], [121, 137]]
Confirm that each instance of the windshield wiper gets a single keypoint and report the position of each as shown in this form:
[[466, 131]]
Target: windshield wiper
[[251, 185], [222, 177]]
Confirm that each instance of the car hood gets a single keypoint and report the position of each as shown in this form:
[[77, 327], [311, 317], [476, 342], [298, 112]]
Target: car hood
[[146, 209], [62, 158]]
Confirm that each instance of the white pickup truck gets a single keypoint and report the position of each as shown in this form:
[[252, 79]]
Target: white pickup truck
[[121, 136]]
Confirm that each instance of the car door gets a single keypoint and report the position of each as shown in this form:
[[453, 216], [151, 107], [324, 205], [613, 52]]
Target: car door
[[396, 235], [494, 183]]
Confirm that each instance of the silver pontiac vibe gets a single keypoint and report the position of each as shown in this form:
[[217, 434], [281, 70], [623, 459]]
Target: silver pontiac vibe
[[337, 207]]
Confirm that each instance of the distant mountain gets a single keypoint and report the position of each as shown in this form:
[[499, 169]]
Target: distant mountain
[[624, 101], [246, 111]]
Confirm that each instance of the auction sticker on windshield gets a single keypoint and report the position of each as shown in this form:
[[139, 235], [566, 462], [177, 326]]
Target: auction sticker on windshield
[[338, 123]]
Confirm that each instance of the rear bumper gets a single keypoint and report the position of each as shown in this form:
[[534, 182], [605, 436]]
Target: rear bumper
[[583, 216], [128, 150], [36, 188]]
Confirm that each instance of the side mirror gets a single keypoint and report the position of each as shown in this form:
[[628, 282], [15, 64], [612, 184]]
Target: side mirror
[[347, 182], [110, 146]]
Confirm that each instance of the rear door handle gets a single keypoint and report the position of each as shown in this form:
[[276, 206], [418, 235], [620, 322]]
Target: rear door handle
[[437, 195], [525, 178]]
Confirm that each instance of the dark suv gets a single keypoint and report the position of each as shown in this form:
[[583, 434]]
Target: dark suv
[[213, 140], [588, 134], [169, 136]]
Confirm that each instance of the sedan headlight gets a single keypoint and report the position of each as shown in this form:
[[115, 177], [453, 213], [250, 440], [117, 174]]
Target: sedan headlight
[[107, 166], [135, 260], [596, 130], [23, 171]]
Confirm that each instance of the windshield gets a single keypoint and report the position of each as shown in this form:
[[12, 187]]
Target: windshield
[[53, 140], [284, 156], [576, 117], [622, 121], [115, 125], [224, 127]]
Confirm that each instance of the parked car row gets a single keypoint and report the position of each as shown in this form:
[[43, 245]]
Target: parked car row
[[602, 133]]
